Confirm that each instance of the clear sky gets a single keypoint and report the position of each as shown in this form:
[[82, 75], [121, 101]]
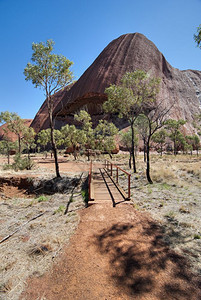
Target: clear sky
[[81, 29]]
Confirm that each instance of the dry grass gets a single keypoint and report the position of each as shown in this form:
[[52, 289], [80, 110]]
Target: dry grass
[[33, 248], [174, 200]]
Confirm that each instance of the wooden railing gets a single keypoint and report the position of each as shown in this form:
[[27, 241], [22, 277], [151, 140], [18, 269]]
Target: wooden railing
[[90, 181], [114, 168]]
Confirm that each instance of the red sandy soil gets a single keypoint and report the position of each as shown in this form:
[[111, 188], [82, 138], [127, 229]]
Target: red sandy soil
[[116, 253]]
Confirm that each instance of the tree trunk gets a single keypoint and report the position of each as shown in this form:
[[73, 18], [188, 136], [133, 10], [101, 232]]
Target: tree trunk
[[129, 162], [133, 146], [19, 144], [144, 150], [148, 163], [54, 148]]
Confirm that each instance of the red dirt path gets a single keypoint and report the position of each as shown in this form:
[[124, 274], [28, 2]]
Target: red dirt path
[[116, 253]]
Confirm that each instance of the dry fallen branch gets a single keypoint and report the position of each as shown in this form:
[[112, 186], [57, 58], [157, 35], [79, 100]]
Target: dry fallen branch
[[8, 236]]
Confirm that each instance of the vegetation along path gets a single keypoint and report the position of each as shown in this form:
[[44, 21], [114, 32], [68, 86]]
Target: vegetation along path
[[116, 253]]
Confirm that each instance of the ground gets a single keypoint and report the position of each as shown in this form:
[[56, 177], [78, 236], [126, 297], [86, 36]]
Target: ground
[[126, 252]]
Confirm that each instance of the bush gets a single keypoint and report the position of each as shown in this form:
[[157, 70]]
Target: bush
[[20, 163]]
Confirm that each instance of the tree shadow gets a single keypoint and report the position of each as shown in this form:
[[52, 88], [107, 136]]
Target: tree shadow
[[142, 264]]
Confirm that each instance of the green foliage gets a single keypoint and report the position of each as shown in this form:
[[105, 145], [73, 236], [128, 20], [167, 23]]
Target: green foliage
[[51, 73], [142, 125], [84, 119], [104, 136], [135, 95], [160, 138], [48, 69], [60, 209], [44, 137], [14, 124], [197, 37], [197, 236], [73, 137], [173, 126], [6, 146], [85, 195], [20, 163], [42, 198], [136, 91]]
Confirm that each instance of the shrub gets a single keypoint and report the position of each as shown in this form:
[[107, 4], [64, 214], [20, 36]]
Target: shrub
[[20, 163]]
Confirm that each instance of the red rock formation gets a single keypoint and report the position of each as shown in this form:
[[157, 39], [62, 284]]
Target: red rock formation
[[11, 135], [127, 53]]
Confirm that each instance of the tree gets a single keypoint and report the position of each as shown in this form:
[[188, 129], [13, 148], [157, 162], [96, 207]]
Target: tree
[[160, 139], [6, 146], [105, 136], [51, 73], [84, 118], [197, 37], [43, 137], [142, 126], [73, 137], [14, 124], [175, 134], [194, 142], [126, 140], [197, 123], [134, 94], [156, 118], [29, 139]]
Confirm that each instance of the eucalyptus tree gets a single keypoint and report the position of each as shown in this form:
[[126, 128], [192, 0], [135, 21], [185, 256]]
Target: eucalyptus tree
[[142, 125], [14, 124], [197, 37], [133, 95], [51, 73], [84, 118], [174, 126], [157, 116], [44, 137], [73, 137], [160, 139], [126, 141], [29, 140], [6, 146], [104, 134]]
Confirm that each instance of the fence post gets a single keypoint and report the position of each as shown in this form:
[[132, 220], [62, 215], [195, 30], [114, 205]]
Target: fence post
[[117, 175], [129, 186]]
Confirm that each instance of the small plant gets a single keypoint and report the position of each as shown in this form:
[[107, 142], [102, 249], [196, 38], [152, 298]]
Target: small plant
[[85, 195], [149, 190], [61, 209], [136, 206], [197, 236], [184, 210], [42, 198], [170, 215]]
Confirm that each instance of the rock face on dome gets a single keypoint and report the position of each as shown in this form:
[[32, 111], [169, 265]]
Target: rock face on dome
[[127, 53]]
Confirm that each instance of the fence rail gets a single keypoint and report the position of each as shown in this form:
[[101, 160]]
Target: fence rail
[[111, 168], [90, 181]]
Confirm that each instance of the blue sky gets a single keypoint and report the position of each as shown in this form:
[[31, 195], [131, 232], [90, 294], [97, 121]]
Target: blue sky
[[81, 30]]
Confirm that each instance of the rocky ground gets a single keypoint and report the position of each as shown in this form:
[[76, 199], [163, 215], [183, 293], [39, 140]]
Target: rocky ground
[[43, 212], [174, 201]]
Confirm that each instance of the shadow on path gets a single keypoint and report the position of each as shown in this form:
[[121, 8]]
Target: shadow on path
[[144, 265]]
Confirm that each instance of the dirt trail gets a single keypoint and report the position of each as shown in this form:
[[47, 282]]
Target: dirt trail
[[116, 253]]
